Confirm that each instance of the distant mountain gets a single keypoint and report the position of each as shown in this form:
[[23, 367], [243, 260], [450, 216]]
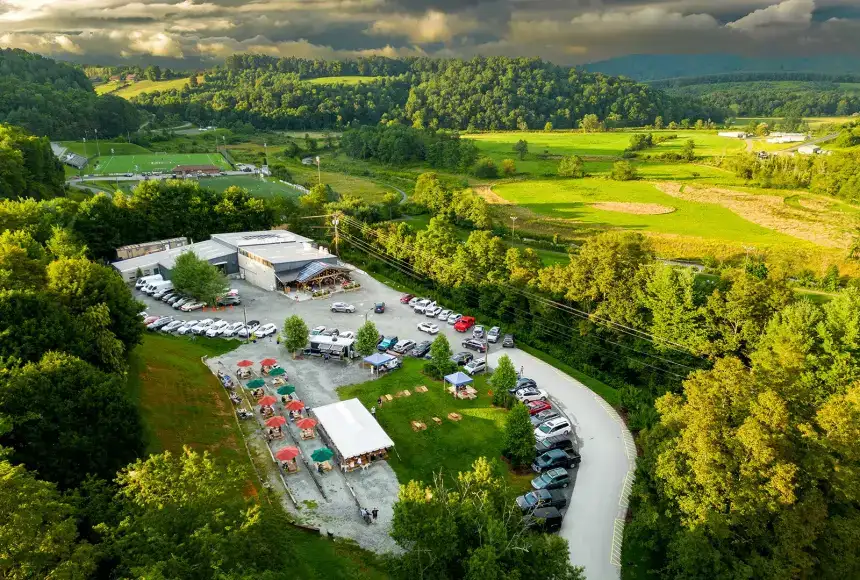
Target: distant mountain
[[650, 67]]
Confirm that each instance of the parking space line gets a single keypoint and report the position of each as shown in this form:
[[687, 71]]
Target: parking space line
[[617, 538]]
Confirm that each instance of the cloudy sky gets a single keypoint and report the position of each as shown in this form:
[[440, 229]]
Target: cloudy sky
[[563, 31]]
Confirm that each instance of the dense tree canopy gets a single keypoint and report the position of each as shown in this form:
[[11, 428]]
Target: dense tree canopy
[[28, 167]]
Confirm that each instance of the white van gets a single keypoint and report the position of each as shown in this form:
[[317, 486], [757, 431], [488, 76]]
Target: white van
[[159, 286], [144, 280]]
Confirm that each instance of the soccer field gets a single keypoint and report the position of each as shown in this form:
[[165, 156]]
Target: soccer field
[[163, 162]]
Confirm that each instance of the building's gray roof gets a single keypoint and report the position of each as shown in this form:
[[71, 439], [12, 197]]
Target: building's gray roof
[[288, 252], [208, 250], [244, 239]]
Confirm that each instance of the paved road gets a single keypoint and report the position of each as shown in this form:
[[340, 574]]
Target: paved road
[[608, 456], [816, 141]]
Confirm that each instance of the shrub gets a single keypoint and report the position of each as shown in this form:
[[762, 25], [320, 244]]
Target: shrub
[[485, 168], [623, 171]]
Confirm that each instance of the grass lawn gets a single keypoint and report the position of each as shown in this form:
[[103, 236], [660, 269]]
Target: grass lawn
[[269, 188], [450, 447], [104, 146], [360, 187], [343, 80], [182, 403], [108, 87], [140, 87], [154, 162], [572, 199]]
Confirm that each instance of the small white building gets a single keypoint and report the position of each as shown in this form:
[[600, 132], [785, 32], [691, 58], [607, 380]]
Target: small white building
[[353, 433], [809, 149], [733, 134]]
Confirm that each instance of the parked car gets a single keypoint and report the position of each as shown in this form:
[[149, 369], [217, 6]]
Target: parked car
[[464, 324], [144, 315], [387, 342], [476, 345], [247, 329], [462, 358], [478, 332], [420, 304], [422, 307], [166, 298], [552, 479], [379, 307], [428, 327], [231, 329], [546, 520], [562, 442], [558, 426], [544, 416], [201, 326], [541, 498], [531, 394], [317, 330], [522, 383], [555, 458], [174, 299], [478, 365], [508, 341], [454, 318], [228, 300], [181, 302], [186, 327], [163, 321], [406, 298], [444, 315], [493, 335], [414, 300], [266, 330], [342, 307], [216, 328], [172, 326], [150, 319], [421, 349], [433, 312], [403, 346], [159, 294], [536, 407], [191, 306]]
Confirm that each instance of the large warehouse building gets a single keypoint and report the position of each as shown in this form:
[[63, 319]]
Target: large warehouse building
[[268, 259]]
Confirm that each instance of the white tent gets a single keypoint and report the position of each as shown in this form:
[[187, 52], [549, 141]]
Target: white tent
[[353, 431]]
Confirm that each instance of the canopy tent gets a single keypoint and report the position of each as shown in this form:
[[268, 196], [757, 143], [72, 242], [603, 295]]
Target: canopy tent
[[351, 429], [378, 359], [458, 379]]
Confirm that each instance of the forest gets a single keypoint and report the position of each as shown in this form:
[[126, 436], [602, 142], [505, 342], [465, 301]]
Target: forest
[[28, 167], [399, 145], [54, 99], [482, 93]]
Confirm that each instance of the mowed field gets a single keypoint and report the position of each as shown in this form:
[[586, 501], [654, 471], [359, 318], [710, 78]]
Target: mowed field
[[269, 188], [127, 90], [90, 149], [343, 80], [155, 162]]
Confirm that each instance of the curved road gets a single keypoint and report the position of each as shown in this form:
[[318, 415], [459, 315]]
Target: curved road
[[594, 520]]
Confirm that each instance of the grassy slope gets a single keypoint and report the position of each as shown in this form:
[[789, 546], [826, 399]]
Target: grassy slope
[[104, 147], [257, 188], [129, 90], [343, 184], [450, 447], [342, 80], [183, 404]]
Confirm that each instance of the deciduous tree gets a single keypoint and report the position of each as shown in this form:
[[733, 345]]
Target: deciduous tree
[[504, 378], [367, 338], [571, 166], [521, 148], [508, 167], [295, 334], [198, 278], [519, 436]]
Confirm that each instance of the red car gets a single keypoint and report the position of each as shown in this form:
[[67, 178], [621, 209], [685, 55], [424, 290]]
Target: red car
[[406, 298], [536, 407], [464, 324]]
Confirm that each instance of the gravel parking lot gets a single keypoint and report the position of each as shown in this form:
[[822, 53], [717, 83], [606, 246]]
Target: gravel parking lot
[[595, 517]]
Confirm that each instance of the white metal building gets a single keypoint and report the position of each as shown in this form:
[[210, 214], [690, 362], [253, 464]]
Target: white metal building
[[351, 429]]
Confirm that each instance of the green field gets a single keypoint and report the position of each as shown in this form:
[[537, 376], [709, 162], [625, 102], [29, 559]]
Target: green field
[[127, 90], [91, 150], [361, 187], [271, 187], [163, 162], [450, 447], [572, 199], [344, 80]]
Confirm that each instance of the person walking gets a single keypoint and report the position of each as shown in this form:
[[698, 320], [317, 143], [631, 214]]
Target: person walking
[[374, 513], [379, 402], [373, 411]]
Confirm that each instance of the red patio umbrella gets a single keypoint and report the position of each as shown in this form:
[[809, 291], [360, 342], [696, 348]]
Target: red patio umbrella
[[267, 400], [306, 423], [245, 363], [276, 421], [295, 406], [267, 362], [287, 454]]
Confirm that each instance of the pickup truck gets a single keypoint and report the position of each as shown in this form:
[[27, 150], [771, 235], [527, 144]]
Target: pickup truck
[[541, 498]]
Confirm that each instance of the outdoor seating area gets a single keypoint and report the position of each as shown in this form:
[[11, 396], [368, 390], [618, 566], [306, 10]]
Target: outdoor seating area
[[353, 434], [460, 386]]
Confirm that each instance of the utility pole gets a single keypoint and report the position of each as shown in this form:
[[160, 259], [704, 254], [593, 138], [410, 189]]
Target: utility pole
[[513, 226], [98, 149], [335, 221], [319, 175]]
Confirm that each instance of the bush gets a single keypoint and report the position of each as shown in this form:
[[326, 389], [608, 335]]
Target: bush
[[485, 168], [623, 171], [571, 166]]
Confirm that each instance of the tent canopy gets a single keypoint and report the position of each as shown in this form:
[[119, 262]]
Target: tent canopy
[[458, 379], [378, 359], [352, 429]]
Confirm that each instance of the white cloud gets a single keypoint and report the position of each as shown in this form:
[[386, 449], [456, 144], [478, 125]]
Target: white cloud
[[433, 26], [789, 13]]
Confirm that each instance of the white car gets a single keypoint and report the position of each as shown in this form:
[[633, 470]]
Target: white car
[[478, 332], [182, 302], [186, 328], [342, 307], [558, 426], [346, 334], [454, 318], [144, 315], [428, 327], [432, 312], [529, 394], [477, 365], [246, 330], [493, 335], [444, 315], [201, 326], [231, 329], [317, 330], [216, 328], [413, 301], [172, 326], [421, 306], [191, 306], [266, 330]]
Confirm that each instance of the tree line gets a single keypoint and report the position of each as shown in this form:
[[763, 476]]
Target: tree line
[[426, 93], [396, 144], [56, 99], [743, 396], [28, 167]]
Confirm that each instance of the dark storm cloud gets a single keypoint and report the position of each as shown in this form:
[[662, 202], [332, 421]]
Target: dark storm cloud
[[565, 31]]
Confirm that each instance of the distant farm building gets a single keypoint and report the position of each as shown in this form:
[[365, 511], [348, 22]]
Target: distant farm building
[[734, 134], [787, 138], [116, 78], [196, 169], [135, 250], [131, 78], [809, 149]]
